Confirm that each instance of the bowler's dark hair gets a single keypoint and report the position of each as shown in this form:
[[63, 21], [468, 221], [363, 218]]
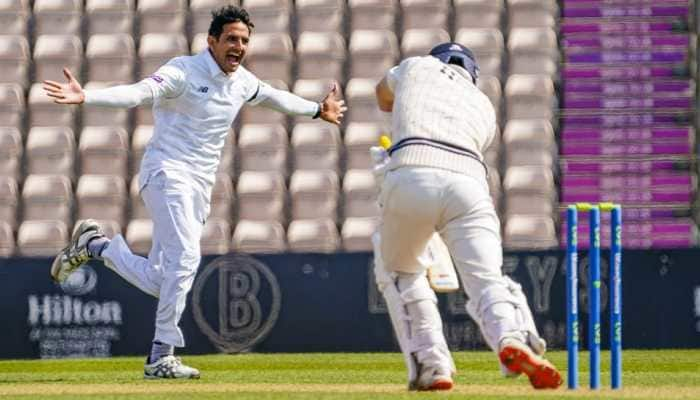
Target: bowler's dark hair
[[226, 15]]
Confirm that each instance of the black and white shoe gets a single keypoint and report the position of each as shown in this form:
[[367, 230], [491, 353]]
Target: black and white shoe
[[76, 253], [169, 367]]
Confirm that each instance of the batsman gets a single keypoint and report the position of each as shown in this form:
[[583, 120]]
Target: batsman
[[435, 180]]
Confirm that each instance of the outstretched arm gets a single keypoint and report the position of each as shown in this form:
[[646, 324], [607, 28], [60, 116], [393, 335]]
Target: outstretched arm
[[331, 109], [167, 82]]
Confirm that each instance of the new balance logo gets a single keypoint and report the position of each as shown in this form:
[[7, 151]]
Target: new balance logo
[[455, 47], [203, 89]]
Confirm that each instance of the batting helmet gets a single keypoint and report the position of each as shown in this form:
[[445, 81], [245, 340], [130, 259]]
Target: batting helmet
[[455, 53]]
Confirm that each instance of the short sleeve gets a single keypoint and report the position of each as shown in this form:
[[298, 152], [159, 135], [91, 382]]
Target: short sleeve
[[167, 82], [392, 76]]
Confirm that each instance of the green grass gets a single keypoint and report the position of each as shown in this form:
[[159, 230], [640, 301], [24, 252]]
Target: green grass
[[654, 375]]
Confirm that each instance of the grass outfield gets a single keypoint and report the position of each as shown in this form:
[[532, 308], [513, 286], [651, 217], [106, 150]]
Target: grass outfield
[[665, 374]]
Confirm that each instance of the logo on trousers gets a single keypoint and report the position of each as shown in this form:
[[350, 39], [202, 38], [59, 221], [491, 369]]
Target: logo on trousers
[[236, 302]]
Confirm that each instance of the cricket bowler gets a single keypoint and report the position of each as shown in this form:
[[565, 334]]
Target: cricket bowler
[[195, 101]]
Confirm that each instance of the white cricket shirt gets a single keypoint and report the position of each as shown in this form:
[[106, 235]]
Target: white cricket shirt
[[439, 102]]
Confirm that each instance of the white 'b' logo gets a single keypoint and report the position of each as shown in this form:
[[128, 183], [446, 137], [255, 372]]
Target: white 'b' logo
[[248, 302]]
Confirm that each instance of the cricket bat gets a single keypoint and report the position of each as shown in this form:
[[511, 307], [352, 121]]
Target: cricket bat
[[441, 272]]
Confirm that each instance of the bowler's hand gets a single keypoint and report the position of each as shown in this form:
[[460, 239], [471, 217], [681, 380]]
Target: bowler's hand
[[332, 108], [65, 93]]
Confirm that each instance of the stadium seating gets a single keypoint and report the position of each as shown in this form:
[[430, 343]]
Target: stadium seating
[[102, 196], [9, 201], [50, 150], [264, 147], [14, 16], [259, 237], [11, 151], [313, 236], [103, 150], [47, 197], [61, 17], [552, 69], [109, 16], [14, 60], [316, 146], [44, 238], [261, 196]]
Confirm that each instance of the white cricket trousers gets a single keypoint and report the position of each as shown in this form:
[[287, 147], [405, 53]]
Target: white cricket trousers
[[418, 201], [178, 211]]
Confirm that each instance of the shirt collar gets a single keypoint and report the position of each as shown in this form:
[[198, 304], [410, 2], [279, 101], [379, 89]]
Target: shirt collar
[[212, 66]]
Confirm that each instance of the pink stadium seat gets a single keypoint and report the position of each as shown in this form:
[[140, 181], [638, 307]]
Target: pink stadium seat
[[321, 55], [533, 51], [14, 15], [320, 15], [372, 14], [44, 238], [9, 199], [528, 142], [15, 60], [419, 42], [269, 15], [109, 16], [359, 137], [361, 101], [313, 235], [523, 232], [479, 13], [54, 52], [263, 147], [11, 105], [372, 53], [259, 237], [101, 196], [110, 58], [261, 196], [47, 197], [532, 13], [158, 48], [530, 97], [421, 14], [50, 150], [162, 16], [316, 146], [10, 152], [44, 112], [314, 194], [57, 17], [491, 87], [270, 56], [360, 194], [357, 233], [103, 150]]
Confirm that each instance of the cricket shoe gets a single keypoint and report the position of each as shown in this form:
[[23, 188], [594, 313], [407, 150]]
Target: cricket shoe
[[434, 379], [519, 358], [169, 367], [76, 253]]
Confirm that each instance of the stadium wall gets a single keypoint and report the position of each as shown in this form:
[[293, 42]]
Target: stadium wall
[[319, 303]]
